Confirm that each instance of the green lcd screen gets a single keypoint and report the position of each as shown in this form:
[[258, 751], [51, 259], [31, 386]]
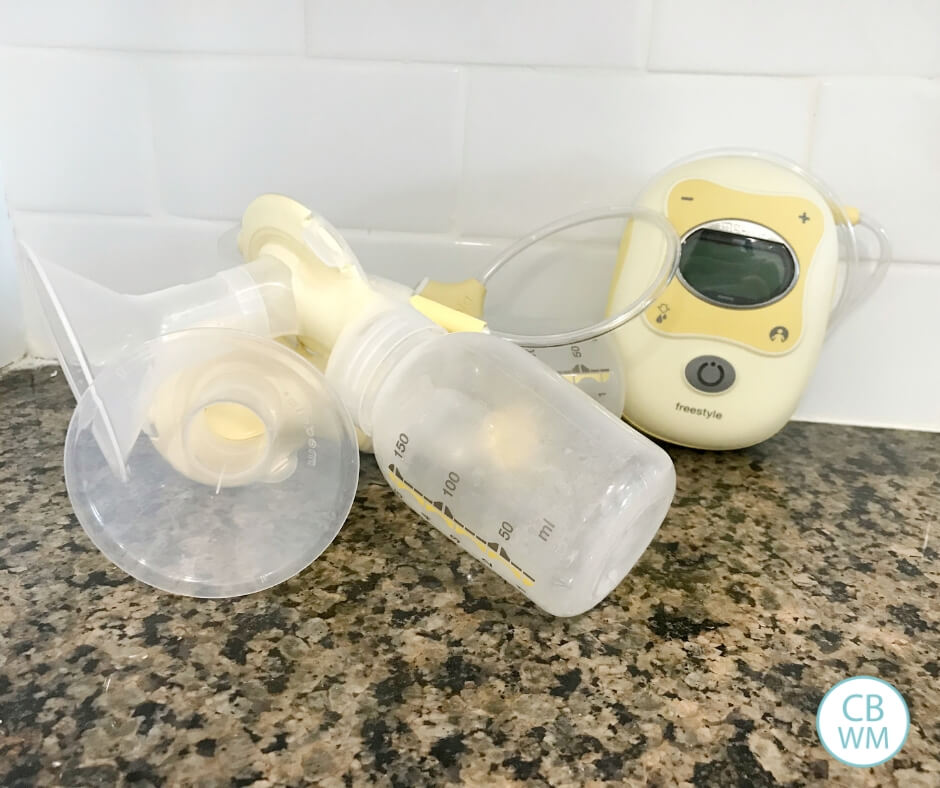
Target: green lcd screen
[[737, 270]]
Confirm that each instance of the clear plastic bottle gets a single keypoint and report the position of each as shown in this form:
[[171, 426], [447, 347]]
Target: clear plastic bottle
[[526, 473]]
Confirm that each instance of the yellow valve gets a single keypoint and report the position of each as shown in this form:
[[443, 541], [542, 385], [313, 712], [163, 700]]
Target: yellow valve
[[466, 296], [233, 421], [446, 317]]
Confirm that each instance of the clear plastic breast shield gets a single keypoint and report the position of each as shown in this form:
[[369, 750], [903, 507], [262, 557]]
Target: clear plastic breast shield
[[203, 457], [233, 463]]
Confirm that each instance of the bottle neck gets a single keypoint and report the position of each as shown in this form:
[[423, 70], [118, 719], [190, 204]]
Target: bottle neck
[[368, 350]]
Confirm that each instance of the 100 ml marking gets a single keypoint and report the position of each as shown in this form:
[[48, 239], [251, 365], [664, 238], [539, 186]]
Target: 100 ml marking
[[487, 549]]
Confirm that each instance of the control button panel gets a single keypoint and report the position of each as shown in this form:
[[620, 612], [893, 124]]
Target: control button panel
[[783, 233], [711, 374]]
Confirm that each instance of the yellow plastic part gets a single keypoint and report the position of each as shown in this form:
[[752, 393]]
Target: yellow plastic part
[[799, 221], [276, 226], [466, 296], [233, 421], [452, 320], [851, 213], [327, 293]]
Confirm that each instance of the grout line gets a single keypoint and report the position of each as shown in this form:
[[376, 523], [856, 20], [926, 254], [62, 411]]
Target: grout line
[[351, 61], [406, 236], [391, 236], [129, 218], [300, 57], [143, 51], [53, 212], [197, 222], [870, 424]]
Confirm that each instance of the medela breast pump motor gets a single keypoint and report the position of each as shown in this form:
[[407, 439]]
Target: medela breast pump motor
[[769, 261], [703, 327]]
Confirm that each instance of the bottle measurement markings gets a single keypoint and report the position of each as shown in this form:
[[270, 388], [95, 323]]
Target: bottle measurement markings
[[487, 549], [581, 372]]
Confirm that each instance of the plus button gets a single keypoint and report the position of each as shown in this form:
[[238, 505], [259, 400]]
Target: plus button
[[803, 217]]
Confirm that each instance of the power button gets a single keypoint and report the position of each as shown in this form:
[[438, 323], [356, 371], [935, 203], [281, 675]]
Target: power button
[[710, 374]]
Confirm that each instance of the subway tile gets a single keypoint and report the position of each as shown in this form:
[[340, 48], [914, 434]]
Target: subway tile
[[12, 336], [541, 145], [409, 259], [169, 25], [797, 37], [879, 368], [877, 144], [532, 32], [128, 254], [141, 254], [75, 134], [367, 145]]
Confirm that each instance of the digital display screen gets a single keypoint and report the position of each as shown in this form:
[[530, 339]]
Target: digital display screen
[[736, 270]]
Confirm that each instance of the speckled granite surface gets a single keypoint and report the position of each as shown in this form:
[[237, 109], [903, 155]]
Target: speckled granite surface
[[779, 571]]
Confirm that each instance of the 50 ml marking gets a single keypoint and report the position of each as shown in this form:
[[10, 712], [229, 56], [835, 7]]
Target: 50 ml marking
[[488, 549]]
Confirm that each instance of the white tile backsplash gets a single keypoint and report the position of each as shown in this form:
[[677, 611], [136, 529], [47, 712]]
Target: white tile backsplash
[[796, 37], [877, 142], [880, 366], [12, 333], [127, 254], [274, 26], [75, 132], [540, 145], [373, 146], [529, 32], [408, 259], [433, 132]]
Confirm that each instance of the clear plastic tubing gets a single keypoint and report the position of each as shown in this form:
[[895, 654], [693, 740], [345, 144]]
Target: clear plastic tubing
[[523, 471]]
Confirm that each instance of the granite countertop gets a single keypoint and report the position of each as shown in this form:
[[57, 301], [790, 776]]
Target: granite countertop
[[780, 570]]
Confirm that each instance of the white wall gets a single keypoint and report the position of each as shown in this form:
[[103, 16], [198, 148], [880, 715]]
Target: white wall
[[133, 131]]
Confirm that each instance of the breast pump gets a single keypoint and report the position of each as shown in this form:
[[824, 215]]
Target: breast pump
[[212, 451], [485, 443], [206, 458], [203, 457], [703, 330]]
